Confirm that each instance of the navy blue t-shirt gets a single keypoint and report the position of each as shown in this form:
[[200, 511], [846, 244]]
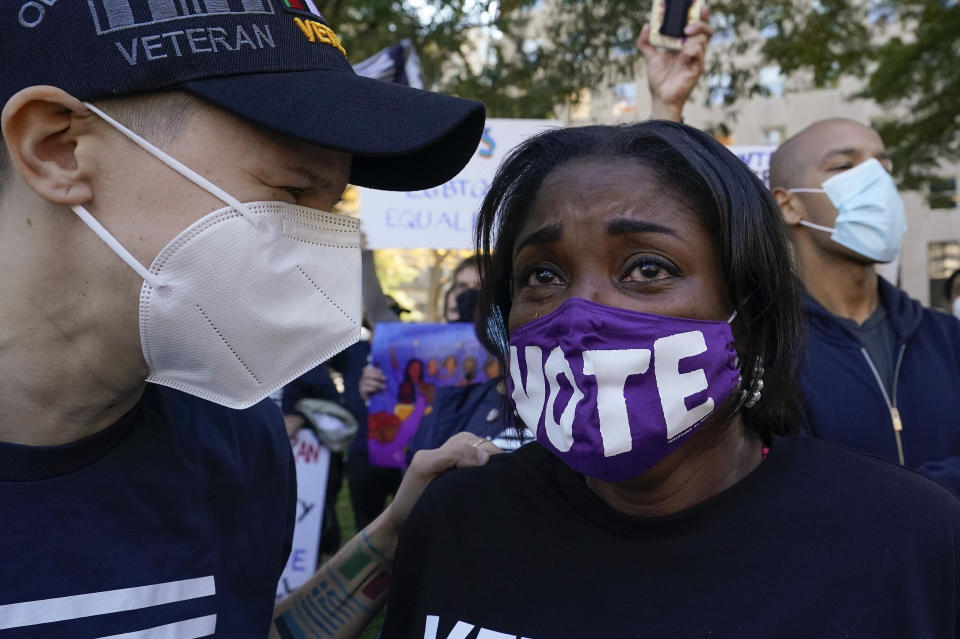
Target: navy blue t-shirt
[[180, 515]]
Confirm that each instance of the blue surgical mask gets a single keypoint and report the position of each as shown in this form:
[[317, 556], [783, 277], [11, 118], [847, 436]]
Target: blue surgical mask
[[871, 219]]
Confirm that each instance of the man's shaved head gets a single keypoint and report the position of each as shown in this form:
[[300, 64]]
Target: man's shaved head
[[809, 148], [816, 154]]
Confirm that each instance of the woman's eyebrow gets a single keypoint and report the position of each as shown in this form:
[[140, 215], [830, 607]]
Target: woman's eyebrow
[[546, 235], [623, 226]]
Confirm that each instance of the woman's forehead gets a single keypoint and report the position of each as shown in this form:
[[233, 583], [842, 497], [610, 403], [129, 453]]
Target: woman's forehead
[[600, 190], [617, 173]]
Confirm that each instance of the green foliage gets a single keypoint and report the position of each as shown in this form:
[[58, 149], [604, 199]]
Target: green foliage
[[906, 51], [918, 74], [524, 58]]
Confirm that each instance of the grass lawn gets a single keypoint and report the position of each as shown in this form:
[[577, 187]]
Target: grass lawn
[[348, 530]]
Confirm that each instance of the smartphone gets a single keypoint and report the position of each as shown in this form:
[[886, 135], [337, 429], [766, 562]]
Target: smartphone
[[668, 19]]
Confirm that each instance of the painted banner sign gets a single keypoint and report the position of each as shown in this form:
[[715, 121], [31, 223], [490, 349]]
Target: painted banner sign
[[417, 359]]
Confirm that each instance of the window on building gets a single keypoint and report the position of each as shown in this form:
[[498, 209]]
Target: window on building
[[625, 98], [774, 135], [943, 259], [942, 193]]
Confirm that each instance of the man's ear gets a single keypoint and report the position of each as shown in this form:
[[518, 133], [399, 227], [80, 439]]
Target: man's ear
[[790, 206], [41, 128]]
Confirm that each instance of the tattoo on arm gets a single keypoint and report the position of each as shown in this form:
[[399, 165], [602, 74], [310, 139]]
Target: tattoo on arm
[[341, 598]]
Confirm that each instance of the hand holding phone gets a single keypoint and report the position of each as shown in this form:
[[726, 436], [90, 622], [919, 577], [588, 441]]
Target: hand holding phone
[[671, 73], [669, 18]]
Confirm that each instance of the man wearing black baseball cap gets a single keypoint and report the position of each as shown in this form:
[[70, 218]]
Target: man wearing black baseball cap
[[164, 173]]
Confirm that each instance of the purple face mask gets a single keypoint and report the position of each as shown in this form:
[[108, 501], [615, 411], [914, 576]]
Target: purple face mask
[[612, 392]]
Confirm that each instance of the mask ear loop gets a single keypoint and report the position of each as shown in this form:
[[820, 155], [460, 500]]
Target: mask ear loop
[[174, 164], [825, 229], [177, 166], [117, 247], [818, 227]]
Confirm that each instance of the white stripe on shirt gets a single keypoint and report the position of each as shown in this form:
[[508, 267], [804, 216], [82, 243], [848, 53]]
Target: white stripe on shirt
[[31, 613], [189, 629]]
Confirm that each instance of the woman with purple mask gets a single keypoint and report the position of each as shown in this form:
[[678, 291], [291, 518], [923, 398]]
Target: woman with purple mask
[[636, 283]]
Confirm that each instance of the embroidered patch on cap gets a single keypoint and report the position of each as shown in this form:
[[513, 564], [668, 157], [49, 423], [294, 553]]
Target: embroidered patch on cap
[[312, 24], [116, 15], [303, 6]]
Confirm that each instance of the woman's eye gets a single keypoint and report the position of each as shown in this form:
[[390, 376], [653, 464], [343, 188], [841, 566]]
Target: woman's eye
[[542, 277], [648, 270]]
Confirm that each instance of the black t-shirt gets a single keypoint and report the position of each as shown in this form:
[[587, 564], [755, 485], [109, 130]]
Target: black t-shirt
[[174, 522], [818, 541]]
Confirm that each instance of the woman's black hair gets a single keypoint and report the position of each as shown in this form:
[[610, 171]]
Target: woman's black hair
[[948, 285], [734, 207]]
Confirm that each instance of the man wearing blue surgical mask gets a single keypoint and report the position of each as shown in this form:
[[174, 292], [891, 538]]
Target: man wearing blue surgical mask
[[881, 372]]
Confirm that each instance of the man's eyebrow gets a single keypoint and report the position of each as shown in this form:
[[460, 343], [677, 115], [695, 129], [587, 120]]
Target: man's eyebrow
[[622, 226], [831, 153], [546, 235]]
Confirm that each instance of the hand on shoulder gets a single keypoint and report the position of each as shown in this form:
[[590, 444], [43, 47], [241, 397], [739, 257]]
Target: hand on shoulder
[[463, 450]]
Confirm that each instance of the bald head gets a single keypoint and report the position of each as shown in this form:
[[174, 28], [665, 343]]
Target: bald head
[[824, 148], [818, 153]]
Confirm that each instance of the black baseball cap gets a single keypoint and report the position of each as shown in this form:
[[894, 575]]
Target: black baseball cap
[[273, 62]]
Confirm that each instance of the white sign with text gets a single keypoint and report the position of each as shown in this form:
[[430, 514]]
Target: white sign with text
[[313, 465], [757, 158], [442, 217]]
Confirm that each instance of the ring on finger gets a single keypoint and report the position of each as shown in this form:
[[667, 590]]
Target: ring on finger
[[480, 442]]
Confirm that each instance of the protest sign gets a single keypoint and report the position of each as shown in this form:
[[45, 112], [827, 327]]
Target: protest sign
[[313, 465], [442, 217], [417, 359], [757, 158]]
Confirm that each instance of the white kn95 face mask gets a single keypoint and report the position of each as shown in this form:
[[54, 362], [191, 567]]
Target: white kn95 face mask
[[248, 297]]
